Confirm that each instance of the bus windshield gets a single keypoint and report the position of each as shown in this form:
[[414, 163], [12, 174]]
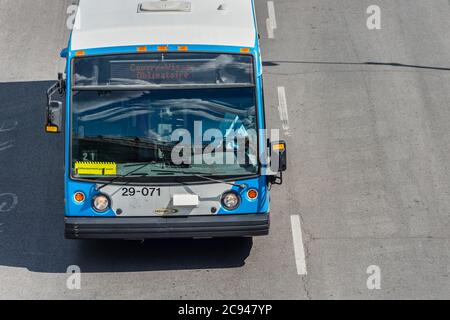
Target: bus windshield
[[181, 114]]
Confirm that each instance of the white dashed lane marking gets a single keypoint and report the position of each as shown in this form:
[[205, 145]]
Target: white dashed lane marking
[[283, 110], [272, 16], [299, 249]]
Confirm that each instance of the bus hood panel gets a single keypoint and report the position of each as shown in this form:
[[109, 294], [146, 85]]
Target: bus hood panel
[[138, 201]]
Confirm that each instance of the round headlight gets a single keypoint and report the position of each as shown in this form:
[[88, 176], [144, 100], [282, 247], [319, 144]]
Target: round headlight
[[230, 200], [100, 203]]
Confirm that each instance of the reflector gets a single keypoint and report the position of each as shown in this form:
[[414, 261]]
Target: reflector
[[51, 129], [279, 146]]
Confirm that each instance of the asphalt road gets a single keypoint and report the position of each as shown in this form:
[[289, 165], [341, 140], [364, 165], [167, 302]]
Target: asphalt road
[[368, 128]]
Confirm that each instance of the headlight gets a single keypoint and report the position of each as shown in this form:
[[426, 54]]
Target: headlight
[[100, 203], [230, 200]]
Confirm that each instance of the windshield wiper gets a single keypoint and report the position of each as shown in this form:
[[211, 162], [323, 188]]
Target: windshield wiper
[[131, 173], [195, 174], [202, 176], [240, 186]]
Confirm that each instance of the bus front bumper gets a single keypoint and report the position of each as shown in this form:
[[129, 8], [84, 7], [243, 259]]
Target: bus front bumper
[[171, 227]]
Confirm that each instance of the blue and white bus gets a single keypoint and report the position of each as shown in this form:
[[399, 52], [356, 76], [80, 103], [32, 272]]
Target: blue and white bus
[[164, 122]]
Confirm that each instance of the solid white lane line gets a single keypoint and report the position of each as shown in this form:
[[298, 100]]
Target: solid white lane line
[[272, 16], [282, 109], [299, 249]]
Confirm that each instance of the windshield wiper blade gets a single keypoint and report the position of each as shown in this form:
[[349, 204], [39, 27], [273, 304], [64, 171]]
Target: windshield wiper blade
[[131, 173], [201, 176], [240, 186]]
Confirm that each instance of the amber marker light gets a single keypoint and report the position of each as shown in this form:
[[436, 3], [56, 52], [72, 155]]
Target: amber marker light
[[252, 194], [79, 197], [51, 129], [279, 147]]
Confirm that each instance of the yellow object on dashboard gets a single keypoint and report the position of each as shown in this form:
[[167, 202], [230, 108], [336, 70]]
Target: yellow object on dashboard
[[95, 168]]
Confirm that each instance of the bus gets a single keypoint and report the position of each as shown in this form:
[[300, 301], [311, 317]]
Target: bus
[[164, 122]]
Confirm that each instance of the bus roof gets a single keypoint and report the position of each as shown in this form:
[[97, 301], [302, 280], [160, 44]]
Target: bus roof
[[115, 23]]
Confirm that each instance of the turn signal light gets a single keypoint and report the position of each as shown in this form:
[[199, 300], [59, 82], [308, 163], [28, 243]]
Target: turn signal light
[[79, 197], [252, 194], [279, 147], [51, 129]]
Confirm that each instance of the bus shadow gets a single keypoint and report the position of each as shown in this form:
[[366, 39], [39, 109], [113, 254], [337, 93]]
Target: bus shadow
[[120, 256], [32, 206]]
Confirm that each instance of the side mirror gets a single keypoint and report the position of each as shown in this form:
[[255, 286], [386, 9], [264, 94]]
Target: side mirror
[[54, 108], [278, 161], [54, 117]]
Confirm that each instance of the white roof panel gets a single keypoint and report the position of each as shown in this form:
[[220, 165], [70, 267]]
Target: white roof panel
[[111, 23]]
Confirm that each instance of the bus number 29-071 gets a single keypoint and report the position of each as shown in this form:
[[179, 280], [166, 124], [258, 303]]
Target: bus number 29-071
[[146, 192]]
